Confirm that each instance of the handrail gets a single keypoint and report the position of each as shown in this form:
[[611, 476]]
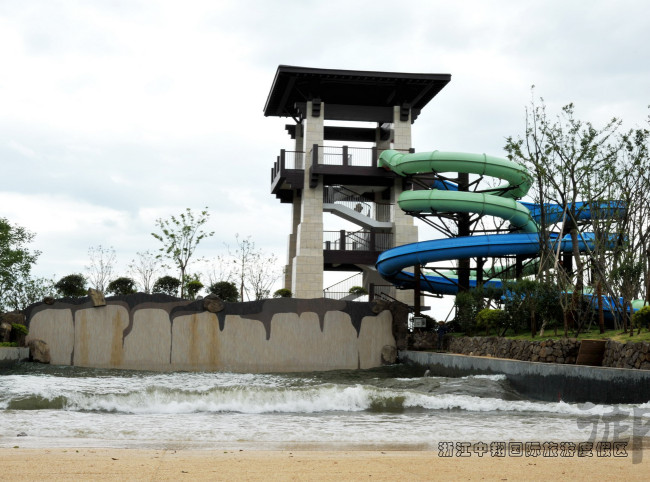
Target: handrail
[[336, 194], [343, 287], [287, 160], [348, 156], [356, 241]]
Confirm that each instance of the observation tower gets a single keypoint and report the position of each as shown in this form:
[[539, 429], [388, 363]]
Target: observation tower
[[332, 168]]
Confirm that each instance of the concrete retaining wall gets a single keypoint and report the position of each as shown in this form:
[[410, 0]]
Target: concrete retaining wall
[[544, 381], [563, 350], [11, 355], [156, 332]]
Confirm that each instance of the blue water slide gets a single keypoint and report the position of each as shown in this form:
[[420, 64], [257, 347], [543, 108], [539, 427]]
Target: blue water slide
[[500, 201]]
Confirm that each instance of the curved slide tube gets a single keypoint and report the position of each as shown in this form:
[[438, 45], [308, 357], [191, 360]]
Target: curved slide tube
[[500, 202]]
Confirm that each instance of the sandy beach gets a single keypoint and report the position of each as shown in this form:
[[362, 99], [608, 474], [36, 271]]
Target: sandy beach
[[133, 464]]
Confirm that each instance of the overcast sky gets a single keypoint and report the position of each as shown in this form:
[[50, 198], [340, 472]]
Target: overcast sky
[[114, 113]]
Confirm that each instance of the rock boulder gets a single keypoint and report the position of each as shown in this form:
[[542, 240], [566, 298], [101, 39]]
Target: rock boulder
[[213, 304], [97, 297], [39, 351]]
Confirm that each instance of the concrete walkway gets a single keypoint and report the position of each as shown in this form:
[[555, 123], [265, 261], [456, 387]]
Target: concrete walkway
[[543, 381]]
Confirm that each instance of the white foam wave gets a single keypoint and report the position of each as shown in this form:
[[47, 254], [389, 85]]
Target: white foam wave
[[241, 400], [326, 398], [496, 378]]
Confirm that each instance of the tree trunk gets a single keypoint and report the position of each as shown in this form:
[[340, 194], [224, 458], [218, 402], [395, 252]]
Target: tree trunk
[[601, 314], [533, 323]]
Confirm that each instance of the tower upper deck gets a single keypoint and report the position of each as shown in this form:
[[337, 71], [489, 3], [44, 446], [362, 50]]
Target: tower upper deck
[[351, 95]]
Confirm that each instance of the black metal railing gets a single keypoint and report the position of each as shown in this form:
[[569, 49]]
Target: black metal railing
[[347, 197], [348, 156], [356, 241], [342, 288], [287, 160], [381, 291]]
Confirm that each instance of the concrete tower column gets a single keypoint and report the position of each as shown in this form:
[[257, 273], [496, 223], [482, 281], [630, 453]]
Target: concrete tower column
[[291, 248], [299, 160], [307, 266], [404, 230]]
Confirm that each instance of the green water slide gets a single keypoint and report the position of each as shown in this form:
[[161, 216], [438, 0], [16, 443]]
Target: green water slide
[[499, 201]]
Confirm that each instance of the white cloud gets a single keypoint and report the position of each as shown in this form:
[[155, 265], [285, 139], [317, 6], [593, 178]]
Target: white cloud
[[117, 113]]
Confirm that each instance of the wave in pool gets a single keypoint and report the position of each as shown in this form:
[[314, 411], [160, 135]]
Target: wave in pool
[[72, 406]]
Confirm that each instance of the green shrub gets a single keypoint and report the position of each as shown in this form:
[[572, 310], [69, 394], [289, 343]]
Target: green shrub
[[283, 293], [358, 290], [122, 286], [167, 285], [19, 329], [8, 344], [72, 285], [641, 317], [225, 290], [192, 288], [489, 319], [467, 305]]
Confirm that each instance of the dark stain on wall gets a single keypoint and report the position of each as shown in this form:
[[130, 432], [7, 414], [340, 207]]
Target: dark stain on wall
[[261, 311]]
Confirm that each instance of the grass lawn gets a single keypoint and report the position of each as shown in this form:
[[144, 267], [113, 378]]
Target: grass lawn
[[593, 334]]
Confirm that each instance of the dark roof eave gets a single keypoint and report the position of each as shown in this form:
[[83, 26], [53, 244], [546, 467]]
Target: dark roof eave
[[286, 75]]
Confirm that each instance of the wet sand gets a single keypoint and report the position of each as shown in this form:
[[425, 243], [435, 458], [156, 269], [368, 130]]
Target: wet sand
[[17, 464]]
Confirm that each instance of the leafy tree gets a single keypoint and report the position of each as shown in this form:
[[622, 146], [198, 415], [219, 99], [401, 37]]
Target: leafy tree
[[122, 286], [16, 260], [283, 293], [167, 285], [529, 301], [28, 290], [143, 268], [467, 304], [225, 290], [192, 288], [100, 269], [72, 285], [180, 237], [572, 161]]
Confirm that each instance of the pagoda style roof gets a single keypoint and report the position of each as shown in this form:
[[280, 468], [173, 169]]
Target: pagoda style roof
[[356, 95]]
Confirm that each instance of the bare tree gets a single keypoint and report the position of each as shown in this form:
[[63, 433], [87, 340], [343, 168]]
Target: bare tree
[[219, 269], [144, 268], [262, 272], [254, 271], [100, 269], [243, 257]]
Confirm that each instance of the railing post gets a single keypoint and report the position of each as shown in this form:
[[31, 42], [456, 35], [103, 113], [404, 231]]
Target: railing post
[[411, 150], [374, 156], [283, 157], [345, 155], [314, 155], [342, 240], [371, 292]]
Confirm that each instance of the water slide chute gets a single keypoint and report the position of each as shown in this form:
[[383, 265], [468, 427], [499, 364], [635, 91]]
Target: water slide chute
[[501, 201]]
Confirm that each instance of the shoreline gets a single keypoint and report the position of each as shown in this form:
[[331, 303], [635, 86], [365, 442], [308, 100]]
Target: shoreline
[[141, 464]]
